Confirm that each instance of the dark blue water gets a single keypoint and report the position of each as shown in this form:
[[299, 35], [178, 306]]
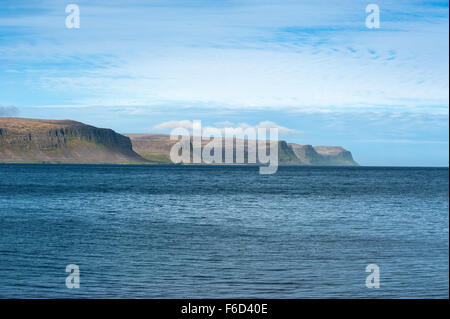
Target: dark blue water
[[204, 231]]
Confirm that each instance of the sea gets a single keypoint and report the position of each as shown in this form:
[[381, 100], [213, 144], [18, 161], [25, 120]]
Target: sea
[[198, 231]]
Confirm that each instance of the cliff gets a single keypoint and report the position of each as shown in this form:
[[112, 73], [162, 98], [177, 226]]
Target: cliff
[[50, 141], [156, 148], [322, 155]]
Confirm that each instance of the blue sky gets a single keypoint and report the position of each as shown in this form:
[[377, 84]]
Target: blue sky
[[312, 67]]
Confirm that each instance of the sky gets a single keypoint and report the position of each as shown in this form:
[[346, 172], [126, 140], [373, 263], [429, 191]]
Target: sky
[[311, 68]]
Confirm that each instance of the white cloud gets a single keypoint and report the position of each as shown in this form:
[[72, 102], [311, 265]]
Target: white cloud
[[188, 125], [170, 125], [281, 129]]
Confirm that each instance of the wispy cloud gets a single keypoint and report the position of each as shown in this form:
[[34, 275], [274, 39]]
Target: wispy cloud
[[240, 54], [396, 141]]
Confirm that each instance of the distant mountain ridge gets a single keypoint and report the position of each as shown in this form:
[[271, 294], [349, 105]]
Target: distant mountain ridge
[[156, 148], [66, 141]]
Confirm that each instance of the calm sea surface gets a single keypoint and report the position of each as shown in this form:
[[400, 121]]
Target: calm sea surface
[[204, 231]]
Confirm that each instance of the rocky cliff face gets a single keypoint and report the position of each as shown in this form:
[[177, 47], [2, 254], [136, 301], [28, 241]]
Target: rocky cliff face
[[156, 148], [30, 140], [322, 155], [335, 155]]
